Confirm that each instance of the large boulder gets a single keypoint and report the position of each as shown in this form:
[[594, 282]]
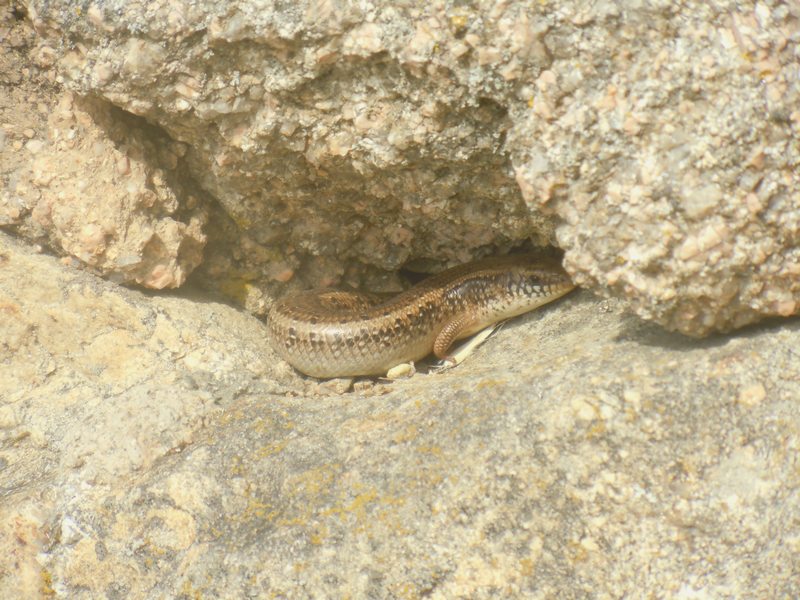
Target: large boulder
[[658, 147], [154, 446]]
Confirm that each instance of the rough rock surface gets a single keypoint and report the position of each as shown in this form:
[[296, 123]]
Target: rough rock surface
[[670, 144], [325, 148], [153, 446], [98, 384], [344, 136], [87, 179]]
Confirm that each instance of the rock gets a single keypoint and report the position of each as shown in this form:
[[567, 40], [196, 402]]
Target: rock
[[668, 145], [98, 383], [345, 143], [155, 446], [333, 153], [139, 233], [102, 188]]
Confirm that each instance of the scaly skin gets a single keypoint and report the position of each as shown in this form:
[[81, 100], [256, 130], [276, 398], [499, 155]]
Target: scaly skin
[[327, 333]]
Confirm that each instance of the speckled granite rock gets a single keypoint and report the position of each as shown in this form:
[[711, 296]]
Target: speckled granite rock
[[347, 139], [344, 140], [669, 142], [153, 446], [318, 127], [88, 180]]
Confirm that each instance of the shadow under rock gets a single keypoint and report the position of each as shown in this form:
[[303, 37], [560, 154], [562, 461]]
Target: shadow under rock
[[188, 291], [651, 334]]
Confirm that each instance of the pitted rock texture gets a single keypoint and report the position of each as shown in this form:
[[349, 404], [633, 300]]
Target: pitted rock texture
[[91, 181], [345, 140], [677, 173], [153, 446], [137, 232], [321, 129]]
